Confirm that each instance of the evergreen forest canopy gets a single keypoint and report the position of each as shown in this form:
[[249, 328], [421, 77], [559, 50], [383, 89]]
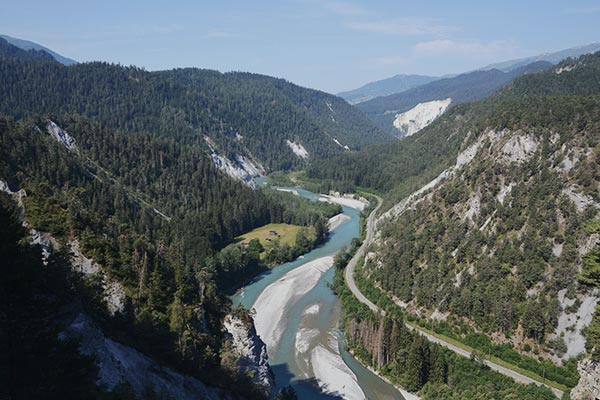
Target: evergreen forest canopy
[[247, 114], [110, 165], [139, 194], [495, 250]]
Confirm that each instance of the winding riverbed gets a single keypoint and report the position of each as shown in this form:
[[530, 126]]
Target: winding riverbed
[[297, 316]]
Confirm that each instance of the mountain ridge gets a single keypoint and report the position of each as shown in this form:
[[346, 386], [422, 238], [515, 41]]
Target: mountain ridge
[[384, 87], [463, 88], [554, 57], [388, 86], [28, 45], [247, 115]]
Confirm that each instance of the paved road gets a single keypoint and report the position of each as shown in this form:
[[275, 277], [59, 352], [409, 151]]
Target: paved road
[[359, 253], [349, 274]]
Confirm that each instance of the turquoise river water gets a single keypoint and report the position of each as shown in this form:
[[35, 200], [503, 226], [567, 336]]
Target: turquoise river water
[[294, 368]]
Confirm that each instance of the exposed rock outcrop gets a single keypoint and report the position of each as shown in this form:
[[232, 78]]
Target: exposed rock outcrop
[[118, 363], [298, 149], [252, 351], [420, 116], [588, 387], [61, 135], [240, 167]]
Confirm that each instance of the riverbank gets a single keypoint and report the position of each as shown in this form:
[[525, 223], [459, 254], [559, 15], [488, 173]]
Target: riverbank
[[406, 394], [345, 200], [336, 221], [298, 319], [272, 304]]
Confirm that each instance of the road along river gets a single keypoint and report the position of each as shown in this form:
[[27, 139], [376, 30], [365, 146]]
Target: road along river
[[297, 316]]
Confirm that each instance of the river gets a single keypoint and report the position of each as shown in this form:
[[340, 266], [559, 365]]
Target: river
[[297, 315]]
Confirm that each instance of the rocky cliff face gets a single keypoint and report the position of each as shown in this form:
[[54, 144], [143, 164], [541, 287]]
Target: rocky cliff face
[[420, 116], [252, 351], [114, 294], [118, 363], [588, 387]]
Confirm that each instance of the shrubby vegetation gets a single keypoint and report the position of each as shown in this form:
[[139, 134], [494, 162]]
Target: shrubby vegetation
[[591, 276], [499, 270]]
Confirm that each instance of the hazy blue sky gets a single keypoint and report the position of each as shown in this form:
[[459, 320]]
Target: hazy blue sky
[[331, 45]]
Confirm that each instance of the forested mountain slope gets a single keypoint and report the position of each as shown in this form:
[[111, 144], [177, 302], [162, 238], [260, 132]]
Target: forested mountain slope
[[499, 248], [119, 182], [496, 245], [400, 168], [463, 88], [144, 231], [245, 115]]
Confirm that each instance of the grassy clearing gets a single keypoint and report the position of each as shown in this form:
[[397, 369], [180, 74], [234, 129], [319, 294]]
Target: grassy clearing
[[284, 232]]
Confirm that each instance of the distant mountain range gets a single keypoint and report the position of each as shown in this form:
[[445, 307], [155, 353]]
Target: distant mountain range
[[464, 88], [27, 45], [401, 83], [384, 87], [553, 58]]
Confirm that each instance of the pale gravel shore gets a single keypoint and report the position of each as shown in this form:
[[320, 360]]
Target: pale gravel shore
[[337, 220], [312, 310], [344, 201], [304, 338], [408, 395], [333, 375], [274, 301], [292, 191]]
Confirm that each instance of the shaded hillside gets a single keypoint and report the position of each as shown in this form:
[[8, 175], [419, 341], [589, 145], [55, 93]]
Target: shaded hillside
[[117, 168]]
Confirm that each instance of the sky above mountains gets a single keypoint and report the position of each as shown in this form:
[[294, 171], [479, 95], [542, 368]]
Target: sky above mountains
[[332, 45]]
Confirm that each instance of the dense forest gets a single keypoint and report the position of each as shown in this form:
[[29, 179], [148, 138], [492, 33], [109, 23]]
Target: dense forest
[[36, 364], [502, 247], [155, 223], [111, 162], [245, 114], [409, 360], [10, 51]]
